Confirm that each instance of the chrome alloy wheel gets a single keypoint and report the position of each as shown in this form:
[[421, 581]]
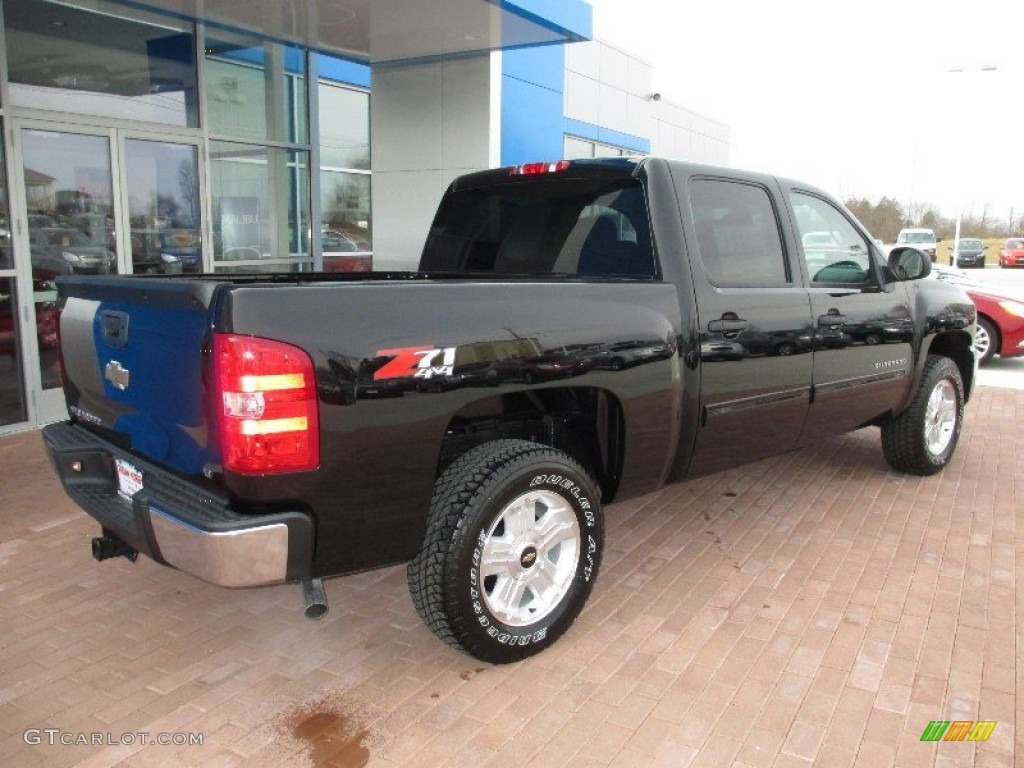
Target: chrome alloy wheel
[[940, 417], [982, 341], [529, 558]]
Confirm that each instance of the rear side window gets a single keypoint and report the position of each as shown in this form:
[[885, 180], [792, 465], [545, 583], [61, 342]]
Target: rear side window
[[589, 227], [737, 234]]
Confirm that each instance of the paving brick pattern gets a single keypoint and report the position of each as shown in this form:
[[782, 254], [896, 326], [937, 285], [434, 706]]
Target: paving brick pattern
[[812, 609]]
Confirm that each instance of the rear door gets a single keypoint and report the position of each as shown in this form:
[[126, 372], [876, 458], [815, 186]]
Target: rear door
[[754, 321], [864, 328]]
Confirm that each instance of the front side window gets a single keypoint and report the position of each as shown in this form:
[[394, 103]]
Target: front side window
[[591, 227], [737, 234], [834, 251]]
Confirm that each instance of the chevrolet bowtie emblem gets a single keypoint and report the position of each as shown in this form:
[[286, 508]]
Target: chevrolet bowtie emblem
[[117, 375]]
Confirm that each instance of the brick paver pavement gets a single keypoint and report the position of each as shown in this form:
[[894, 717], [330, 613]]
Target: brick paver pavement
[[814, 608]]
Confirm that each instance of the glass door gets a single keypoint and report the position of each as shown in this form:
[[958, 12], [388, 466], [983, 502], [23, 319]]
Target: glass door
[[96, 202], [13, 405], [70, 202]]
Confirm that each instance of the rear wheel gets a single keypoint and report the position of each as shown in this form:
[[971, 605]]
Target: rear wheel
[[922, 439], [511, 551], [986, 340]]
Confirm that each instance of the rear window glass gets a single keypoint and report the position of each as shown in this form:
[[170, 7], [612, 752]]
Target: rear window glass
[[737, 234], [589, 227]]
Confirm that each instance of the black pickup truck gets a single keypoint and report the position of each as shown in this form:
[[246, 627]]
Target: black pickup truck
[[577, 333]]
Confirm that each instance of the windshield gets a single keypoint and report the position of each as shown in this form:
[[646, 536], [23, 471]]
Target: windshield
[[918, 237], [970, 244], [1015, 244], [67, 237]]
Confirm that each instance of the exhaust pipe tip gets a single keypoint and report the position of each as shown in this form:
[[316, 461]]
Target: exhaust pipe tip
[[315, 598]]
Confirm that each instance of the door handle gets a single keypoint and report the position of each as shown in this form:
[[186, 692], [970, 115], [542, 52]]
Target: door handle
[[832, 319], [728, 326]]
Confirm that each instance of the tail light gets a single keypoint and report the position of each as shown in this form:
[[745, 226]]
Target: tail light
[[268, 414], [533, 169]]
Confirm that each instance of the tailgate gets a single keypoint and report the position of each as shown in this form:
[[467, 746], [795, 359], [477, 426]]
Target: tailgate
[[133, 360]]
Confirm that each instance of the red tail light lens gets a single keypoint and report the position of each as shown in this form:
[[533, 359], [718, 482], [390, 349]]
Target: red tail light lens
[[533, 169], [267, 406]]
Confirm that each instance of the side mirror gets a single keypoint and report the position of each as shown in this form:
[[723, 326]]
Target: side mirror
[[909, 263]]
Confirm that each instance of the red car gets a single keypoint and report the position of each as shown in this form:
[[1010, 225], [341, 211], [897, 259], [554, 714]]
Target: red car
[[1012, 253], [1000, 316]]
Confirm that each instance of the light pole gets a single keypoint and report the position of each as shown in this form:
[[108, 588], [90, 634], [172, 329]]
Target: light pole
[[960, 69]]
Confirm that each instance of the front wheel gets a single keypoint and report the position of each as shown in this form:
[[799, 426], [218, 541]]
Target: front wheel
[[511, 551], [922, 439], [986, 340]]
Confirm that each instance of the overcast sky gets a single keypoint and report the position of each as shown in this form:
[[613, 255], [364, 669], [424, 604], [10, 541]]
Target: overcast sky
[[856, 98]]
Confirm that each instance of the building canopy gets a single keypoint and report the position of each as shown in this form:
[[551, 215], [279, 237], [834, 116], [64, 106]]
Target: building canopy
[[378, 31]]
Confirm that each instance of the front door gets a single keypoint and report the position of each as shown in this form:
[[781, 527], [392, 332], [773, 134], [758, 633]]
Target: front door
[[755, 325], [864, 330], [97, 202]]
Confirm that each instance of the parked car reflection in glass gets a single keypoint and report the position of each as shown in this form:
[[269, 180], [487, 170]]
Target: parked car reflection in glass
[[66, 251], [166, 251], [344, 252]]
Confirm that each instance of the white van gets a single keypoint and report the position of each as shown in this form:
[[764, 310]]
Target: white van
[[922, 239]]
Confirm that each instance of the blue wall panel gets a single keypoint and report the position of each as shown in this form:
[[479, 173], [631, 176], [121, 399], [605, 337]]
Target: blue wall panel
[[607, 135], [532, 83], [573, 18], [531, 122], [343, 71]]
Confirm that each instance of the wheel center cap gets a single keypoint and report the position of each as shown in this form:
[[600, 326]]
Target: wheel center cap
[[528, 558]]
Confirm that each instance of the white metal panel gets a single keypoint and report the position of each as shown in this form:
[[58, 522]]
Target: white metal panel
[[584, 58], [614, 68], [466, 112], [612, 108], [403, 208], [405, 115], [581, 98]]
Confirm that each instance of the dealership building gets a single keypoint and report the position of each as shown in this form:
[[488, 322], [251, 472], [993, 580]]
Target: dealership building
[[179, 136]]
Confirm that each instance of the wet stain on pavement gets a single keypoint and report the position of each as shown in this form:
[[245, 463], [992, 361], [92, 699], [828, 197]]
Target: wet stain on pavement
[[333, 738], [468, 674]]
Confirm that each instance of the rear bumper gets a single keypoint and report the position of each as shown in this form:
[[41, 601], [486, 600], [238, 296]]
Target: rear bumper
[[179, 523]]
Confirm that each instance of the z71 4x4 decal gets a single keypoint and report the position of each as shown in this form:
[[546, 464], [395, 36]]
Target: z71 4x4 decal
[[419, 362]]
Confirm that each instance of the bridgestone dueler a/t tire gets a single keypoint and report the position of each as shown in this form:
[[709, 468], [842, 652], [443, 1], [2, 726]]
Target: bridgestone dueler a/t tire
[[445, 578], [904, 441]]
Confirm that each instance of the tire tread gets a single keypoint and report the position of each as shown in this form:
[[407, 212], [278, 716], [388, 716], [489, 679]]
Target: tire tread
[[430, 584], [902, 437]]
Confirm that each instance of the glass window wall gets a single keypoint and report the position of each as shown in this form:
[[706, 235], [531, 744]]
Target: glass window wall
[[260, 203], [163, 207], [255, 89], [345, 223], [344, 127], [101, 59]]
